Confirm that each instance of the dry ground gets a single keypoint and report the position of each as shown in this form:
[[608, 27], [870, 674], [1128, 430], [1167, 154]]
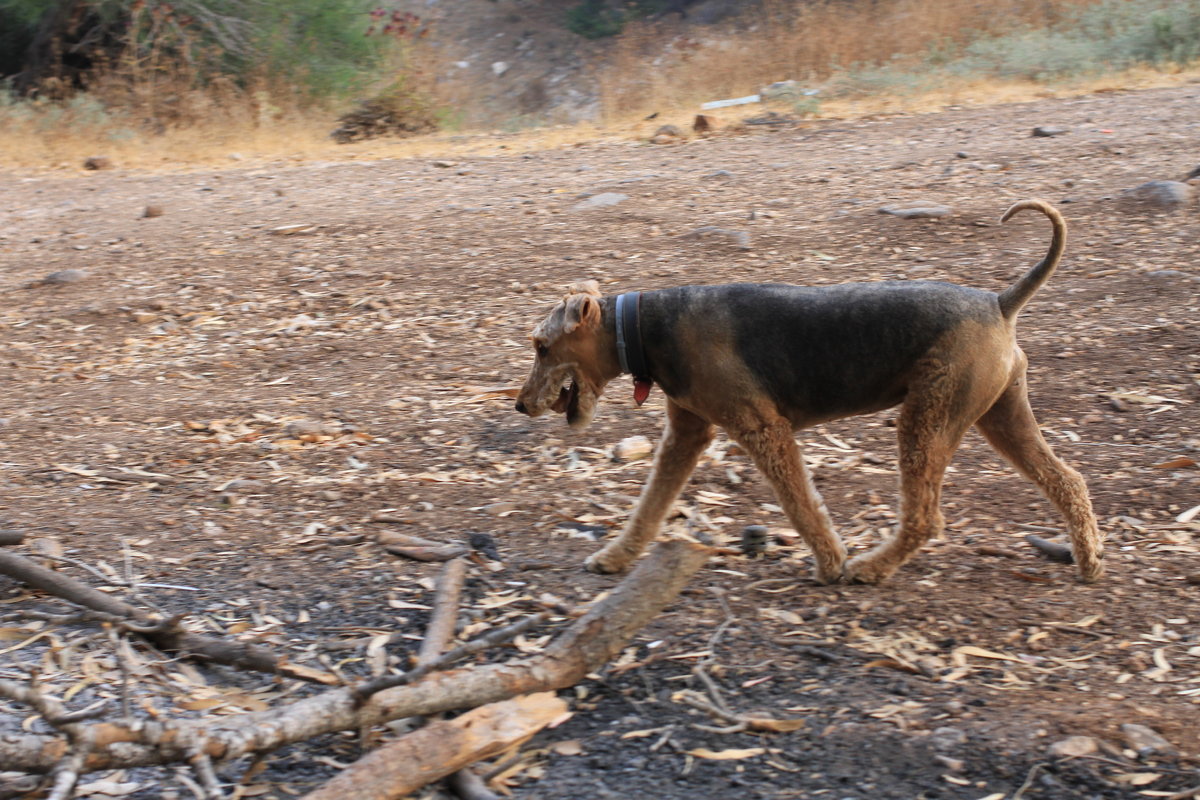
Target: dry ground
[[358, 365]]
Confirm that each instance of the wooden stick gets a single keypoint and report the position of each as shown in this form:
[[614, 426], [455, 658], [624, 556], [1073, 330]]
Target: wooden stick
[[446, 596], [590, 642], [440, 748], [9, 538]]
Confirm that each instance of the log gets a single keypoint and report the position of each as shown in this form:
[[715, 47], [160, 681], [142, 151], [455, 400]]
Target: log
[[591, 641], [440, 748], [9, 538], [163, 634], [418, 549]]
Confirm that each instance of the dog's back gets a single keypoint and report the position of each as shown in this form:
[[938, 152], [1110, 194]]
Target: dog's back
[[818, 352]]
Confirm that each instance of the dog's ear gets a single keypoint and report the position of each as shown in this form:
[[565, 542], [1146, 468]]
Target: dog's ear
[[583, 287], [580, 309]]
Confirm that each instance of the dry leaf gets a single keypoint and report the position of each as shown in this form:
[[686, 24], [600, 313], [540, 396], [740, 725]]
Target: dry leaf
[[726, 755]]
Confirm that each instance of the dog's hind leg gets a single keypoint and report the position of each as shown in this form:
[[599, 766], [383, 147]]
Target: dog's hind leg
[[930, 426], [773, 448], [684, 440], [1010, 427]]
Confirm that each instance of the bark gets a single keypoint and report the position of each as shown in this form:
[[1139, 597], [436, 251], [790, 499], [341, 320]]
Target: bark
[[165, 635], [440, 748], [594, 639]]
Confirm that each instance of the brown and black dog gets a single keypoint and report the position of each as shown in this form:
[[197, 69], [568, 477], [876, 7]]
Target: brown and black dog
[[765, 360]]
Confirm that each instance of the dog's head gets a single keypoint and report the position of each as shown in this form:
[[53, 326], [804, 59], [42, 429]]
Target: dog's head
[[573, 359]]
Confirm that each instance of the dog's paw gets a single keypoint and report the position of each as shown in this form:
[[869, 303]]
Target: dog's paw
[[827, 576], [864, 569], [600, 565]]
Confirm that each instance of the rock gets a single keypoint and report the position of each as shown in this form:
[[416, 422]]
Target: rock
[[947, 738], [244, 485], [632, 449], [305, 427], [97, 162], [738, 239], [484, 543], [442, 164], [150, 212], [1193, 579], [1047, 131], [667, 134], [754, 540], [602, 200], [499, 68], [1193, 174], [917, 211], [718, 175], [1164, 195], [59, 278], [1146, 741], [705, 123], [1073, 747]]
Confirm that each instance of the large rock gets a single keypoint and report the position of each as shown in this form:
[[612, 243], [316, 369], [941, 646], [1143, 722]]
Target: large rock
[[1162, 195]]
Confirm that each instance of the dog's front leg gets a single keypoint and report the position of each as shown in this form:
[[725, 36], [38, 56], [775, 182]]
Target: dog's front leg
[[684, 439], [773, 447]]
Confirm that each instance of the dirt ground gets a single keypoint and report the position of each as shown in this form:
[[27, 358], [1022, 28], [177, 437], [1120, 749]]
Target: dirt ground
[[221, 405]]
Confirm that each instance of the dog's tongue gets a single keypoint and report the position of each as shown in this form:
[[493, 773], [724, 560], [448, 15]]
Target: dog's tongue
[[566, 399]]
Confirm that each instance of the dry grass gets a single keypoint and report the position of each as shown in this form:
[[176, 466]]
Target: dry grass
[[222, 126], [802, 41]]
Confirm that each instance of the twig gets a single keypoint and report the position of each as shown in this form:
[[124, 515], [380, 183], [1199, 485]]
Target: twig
[[488, 640], [118, 646], [203, 767], [1028, 780], [166, 635], [9, 538], [469, 786], [711, 687]]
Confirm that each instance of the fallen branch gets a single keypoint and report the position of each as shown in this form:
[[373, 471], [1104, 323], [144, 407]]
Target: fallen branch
[[164, 634], [9, 538], [591, 641], [441, 748], [418, 549], [445, 611]]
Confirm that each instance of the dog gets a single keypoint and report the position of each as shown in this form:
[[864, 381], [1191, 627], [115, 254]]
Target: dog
[[765, 360]]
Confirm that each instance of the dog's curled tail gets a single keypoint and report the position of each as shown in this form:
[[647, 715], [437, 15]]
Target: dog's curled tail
[[1016, 296]]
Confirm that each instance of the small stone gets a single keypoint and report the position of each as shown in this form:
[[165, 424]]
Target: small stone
[[917, 211], [754, 540], [498, 509], [445, 164], [632, 449], [1047, 131], [1146, 741], [62, 277], [718, 175], [738, 239], [1073, 747], [150, 212], [602, 200], [947, 738], [484, 543], [244, 485], [311, 428], [669, 131], [1164, 195], [97, 162]]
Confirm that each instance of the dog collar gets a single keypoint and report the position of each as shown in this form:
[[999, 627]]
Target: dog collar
[[629, 344]]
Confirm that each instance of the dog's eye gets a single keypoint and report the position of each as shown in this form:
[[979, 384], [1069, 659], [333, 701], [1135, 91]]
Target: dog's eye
[[542, 350]]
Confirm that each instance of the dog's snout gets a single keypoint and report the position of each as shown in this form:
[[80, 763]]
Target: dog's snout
[[520, 408]]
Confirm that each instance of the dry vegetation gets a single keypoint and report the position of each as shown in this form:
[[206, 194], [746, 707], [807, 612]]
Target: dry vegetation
[[151, 114]]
